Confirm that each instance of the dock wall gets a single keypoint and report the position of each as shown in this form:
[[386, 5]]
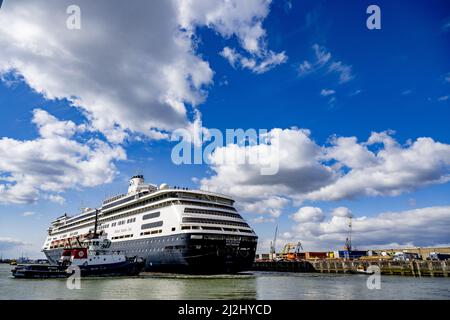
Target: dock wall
[[416, 268]]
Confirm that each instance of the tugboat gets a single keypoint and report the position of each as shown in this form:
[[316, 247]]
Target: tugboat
[[95, 259], [92, 257]]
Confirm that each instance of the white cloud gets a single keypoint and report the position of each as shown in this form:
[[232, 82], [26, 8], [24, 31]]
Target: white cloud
[[344, 169], [272, 206], [7, 243], [28, 213], [322, 56], [270, 61], [355, 93], [304, 68], [299, 171], [54, 162], [55, 198], [392, 170], [344, 71], [262, 219], [242, 19], [326, 92], [342, 212], [323, 61], [419, 227], [443, 98], [142, 77], [308, 214], [228, 18], [51, 127]]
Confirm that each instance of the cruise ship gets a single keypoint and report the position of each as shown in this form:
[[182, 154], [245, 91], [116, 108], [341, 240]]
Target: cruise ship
[[173, 229]]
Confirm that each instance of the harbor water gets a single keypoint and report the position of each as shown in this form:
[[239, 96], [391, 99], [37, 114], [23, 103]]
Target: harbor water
[[251, 285]]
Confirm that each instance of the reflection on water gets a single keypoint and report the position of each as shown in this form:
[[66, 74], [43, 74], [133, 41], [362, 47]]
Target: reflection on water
[[257, 285]]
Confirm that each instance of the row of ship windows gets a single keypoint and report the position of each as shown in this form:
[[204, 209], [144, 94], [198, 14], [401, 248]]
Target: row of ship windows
[[212, 212], [213, 221], [164, 204], [123, 237], [159, 240], [81, 217], [182, 228], [91, 220], [165, 196], [215, 228], [118, 202], [119, 223], [152, 225], [154, 207], [141, 203], [146, 233], [151, 215], [158, 249]]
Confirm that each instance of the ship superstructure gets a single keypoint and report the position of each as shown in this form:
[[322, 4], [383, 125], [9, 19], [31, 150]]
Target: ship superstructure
[[173, 229]]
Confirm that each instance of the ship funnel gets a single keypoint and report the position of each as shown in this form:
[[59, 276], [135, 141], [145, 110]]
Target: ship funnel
[[135, 182]]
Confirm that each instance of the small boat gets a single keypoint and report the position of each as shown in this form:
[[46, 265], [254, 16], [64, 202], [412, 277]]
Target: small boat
[[363, 269], [39, 271], [92, 258]]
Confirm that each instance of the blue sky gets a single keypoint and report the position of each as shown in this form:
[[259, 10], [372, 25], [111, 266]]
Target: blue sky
[[398, 78]]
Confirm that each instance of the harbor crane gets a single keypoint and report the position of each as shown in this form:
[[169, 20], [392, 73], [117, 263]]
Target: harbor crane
[[291, 251]]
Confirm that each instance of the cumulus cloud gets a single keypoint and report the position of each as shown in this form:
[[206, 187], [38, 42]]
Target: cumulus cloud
[[272, 206], [10, 243], [308, 214], [241, 19], [142, 77], [419, 227], [342, 212], [341, 169], [54, 162], [299, 170], [262, 219], [323, 62], [392, 170]]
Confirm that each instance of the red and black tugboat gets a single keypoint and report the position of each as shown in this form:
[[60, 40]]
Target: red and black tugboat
[[92, 256]]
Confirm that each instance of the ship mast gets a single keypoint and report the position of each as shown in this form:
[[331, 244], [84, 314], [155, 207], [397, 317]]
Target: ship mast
[[96, 223]]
